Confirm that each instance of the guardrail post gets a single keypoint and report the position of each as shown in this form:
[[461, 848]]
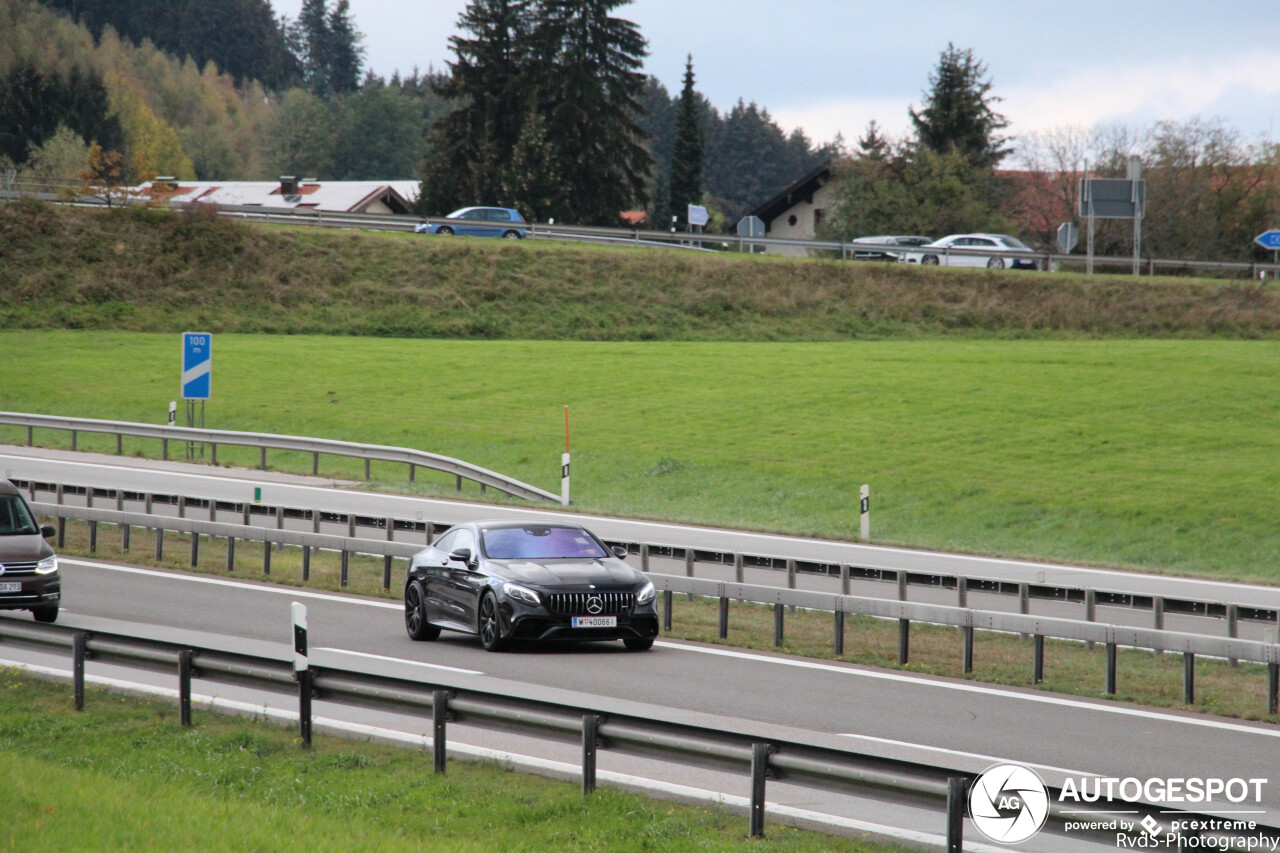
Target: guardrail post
[[968, 649], [439, 716], [644, 557], [262, 458], [778, 626], [1090, 612], [124, 537], [195, 548], [791, 579], [315, 521], [904, 640], [351, 525], [366, 468], [119, 444], [93, 537], [79, 642], [724, 617], [73, 439], [1024, 601], [315, 463], [1273, 687], [412, 468], [231, 553], [30, 436], [759, 774], [1188, 678], [666, 609], [844, 579], [837, 641], [346, 565], [60, 493], [590, 732], [245, 508], [213, 454], [962, 592], [1111, 669], [738, 572], [955, 813], [1157, 619], [62, 533], [1037, 663], [159, 543], [688, 568], [213, 509], [1233, 628], [902, 585], [182, 506], [266, 556], [164, 449], [458, 481], [184, 688], [306, 563]]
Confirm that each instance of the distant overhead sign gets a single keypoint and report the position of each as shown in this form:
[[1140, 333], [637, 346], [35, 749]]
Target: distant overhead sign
[[750, 226], [697, 215], [1269, 239], [1111, 198], [197, 365]]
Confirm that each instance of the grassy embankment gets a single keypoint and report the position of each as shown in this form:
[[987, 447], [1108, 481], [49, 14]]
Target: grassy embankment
[[123, 775]]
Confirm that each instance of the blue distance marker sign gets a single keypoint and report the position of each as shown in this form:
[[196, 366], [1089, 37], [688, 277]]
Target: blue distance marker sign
[[197, 365], [1269, 239]]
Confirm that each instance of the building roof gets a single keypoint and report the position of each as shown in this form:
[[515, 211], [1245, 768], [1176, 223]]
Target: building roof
[[801, 190], [334, 196]]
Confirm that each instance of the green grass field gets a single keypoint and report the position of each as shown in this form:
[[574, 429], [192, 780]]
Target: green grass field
[[1150, 454], [124, 776]]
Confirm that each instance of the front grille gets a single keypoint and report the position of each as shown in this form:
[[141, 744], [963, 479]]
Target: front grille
[[576, 603], [18, 569]]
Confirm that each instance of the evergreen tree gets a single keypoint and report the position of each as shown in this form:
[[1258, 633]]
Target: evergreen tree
[[34, 103], [688, 152], [872, 145], [344, 53], [957, 113], [588, 77]]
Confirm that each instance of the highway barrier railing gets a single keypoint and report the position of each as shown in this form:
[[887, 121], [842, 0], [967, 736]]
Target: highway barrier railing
[[968, 620], [213, 438], [763, 751]]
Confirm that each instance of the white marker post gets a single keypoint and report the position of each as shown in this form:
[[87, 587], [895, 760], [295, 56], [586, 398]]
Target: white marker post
[[564, 462], [173, 412], [302, 670], [864, 508]]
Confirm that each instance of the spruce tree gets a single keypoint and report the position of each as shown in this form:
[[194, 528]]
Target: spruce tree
[[344, 53], [957, 113], [688, 151]]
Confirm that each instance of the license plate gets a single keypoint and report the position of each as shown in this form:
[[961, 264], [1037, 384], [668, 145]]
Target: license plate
[[595, 621], [11, 586]]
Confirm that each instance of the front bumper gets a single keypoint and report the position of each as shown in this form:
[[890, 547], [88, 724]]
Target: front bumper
[[37, 591], [525, 622]]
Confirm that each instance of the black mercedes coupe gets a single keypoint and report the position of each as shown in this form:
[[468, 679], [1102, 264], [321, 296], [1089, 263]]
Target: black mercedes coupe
[[528, 580]]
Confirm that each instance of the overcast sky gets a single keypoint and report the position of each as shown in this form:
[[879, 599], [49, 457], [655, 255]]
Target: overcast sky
[[833, 65]]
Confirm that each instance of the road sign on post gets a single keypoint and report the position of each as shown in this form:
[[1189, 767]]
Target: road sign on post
[[197, 365], [1269, 239], [1068, 236]]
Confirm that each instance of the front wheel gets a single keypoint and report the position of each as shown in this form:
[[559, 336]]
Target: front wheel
[[48, 615], [638, 645], [512, 235], [929, 260], [415, 614], [490, 625], [995, 264]]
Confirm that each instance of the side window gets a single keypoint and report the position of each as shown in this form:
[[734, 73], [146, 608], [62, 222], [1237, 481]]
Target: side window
[[986, 244], [473, 214], [498, 216], [445, 543], [464, 540]]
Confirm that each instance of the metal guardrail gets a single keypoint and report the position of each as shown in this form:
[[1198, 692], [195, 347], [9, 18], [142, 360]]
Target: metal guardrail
[[315, 446], [969, 620], [598, 723], [676, 240]]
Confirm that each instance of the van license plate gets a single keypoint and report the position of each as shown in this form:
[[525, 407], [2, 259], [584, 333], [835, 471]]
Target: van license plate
[[11, 586]]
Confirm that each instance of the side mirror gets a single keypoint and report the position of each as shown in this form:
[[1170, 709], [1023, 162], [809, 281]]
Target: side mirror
[[461, 555], [620, 551], [48, 531]]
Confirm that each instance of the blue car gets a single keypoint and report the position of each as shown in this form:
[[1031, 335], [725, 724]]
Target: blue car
[[480, 222]]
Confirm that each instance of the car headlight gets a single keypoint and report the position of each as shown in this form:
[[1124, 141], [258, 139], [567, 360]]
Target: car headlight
[[646, 593], [47, 566], [520, 593]]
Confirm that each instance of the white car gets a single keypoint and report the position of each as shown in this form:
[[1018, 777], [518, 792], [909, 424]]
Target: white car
[[997, 251]]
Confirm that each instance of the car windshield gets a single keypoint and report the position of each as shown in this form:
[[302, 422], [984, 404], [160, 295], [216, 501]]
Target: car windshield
[[15, 518], [540, 542], [1012, 242]]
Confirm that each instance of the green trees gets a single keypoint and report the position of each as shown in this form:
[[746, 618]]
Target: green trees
[[688, 151], [34, 103], [549, 93], [327, 46], [957, 113]]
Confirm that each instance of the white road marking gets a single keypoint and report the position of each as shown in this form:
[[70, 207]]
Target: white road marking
[[984, 690], [798, 662], [402, 660], [684, 792]]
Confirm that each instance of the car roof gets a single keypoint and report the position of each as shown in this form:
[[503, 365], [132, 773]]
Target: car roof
[[484, 207], [498, 523], [8, 488]]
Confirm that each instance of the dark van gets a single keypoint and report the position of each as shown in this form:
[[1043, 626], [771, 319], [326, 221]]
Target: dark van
[[28, 567]]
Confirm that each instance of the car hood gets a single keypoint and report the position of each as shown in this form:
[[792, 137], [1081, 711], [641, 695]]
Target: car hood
[[564, 574], [24, 548]]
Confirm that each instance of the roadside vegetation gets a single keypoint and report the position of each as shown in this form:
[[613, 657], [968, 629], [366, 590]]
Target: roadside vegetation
[[154, 270], [1143, 677], [124, 775]]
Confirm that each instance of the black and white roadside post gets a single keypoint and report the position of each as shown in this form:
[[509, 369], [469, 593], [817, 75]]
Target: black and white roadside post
[[564, 462], [302, 670], [864, 511]]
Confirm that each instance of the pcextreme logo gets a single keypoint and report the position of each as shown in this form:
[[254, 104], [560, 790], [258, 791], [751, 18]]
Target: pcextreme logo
[[1008, 803]]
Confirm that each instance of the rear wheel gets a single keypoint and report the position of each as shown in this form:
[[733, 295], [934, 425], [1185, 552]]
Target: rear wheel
[[415, 614], [45, 614], [638, 645], [490, 626], [444, 229], [929, 260]]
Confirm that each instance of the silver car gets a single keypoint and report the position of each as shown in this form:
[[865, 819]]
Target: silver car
[[994, 251]]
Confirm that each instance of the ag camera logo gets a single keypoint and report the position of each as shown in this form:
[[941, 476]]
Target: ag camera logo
[[1008, 803]]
